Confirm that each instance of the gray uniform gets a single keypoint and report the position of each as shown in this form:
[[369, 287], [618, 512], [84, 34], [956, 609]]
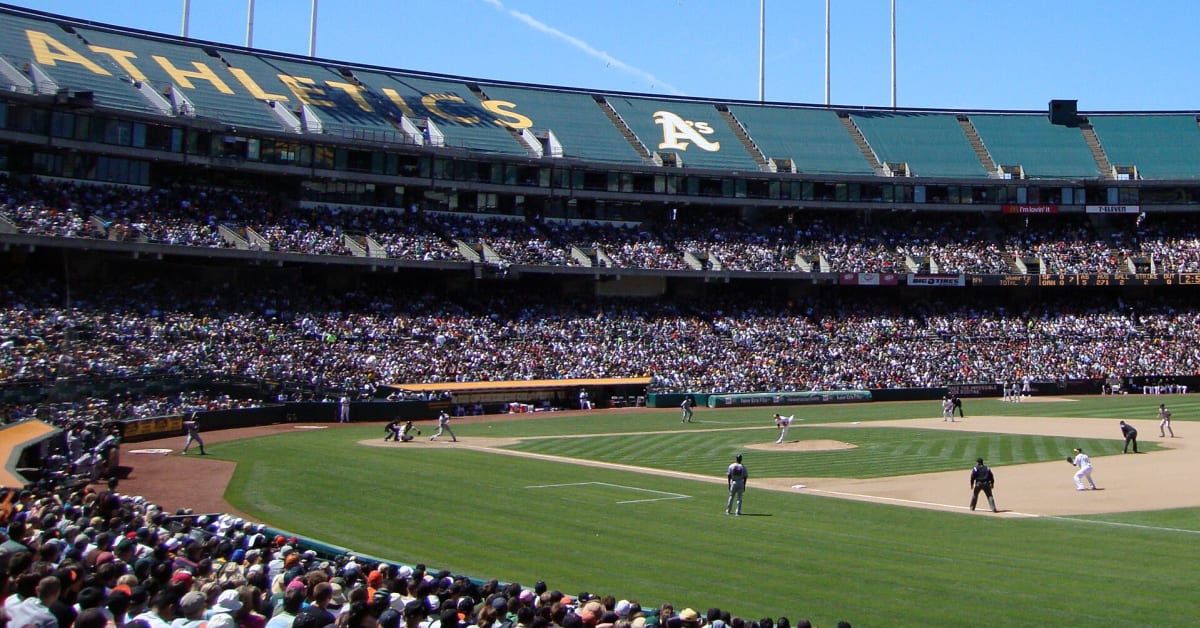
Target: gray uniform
[[736, 478]]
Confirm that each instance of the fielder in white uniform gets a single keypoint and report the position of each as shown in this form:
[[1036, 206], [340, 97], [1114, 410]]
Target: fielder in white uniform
[[947, 409], [1085, 470], [1164, 421], [782, 423]]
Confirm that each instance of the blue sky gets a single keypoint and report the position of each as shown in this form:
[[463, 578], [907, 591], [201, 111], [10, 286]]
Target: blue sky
[[1109, 55]]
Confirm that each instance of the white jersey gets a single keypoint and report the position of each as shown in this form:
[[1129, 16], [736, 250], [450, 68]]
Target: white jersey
[[784, 421], [1082, 461]]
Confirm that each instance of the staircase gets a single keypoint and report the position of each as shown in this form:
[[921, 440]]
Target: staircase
[[516, 135], [867, 151], [1093, 142], [981, 151], [744, 137], [619, 122]]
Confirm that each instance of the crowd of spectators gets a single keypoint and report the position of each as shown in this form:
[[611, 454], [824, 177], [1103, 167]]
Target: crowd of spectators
[[78, 557], [838, 241], [359, 339], [119, 407]]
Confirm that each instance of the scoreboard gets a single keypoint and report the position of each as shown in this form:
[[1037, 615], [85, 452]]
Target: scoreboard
[[1087, 279]]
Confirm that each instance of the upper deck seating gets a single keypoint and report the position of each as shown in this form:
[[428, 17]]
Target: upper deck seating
[[1043, 150], [814, 139], [105, 79], [932, 144], [451, 106], [340, 101], [576, 120], [695, 131], [201, 77], [1161, 146]]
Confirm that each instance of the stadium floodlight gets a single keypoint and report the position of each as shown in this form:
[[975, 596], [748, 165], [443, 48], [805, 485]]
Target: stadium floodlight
[[826, 53], [762, 49], [249, 23], [893, 54], [312, 31]]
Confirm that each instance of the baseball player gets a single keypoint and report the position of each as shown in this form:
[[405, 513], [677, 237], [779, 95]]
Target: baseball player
[[982, 479], [406, 432], [782, 423], [344, 409], [947, 409], [735, 478], [1084, 463], [444, 426], [1164, 420], [686, 407], [192, 426]]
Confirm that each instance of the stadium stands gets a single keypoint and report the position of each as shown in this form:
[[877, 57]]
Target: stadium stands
[[200, 77], [576, 120], [1042, 150], [932, 144], [55, 51], [813, 139], [1160, 146], [344, 105], [452, 108], [694, 131]]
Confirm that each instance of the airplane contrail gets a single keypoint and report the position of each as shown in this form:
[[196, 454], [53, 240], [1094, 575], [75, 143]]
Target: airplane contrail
[[586, 48]]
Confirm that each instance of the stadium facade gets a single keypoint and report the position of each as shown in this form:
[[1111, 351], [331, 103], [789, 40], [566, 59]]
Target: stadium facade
[[109, 104]]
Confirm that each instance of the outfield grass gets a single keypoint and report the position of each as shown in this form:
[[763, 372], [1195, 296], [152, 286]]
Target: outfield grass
[[661, 539]]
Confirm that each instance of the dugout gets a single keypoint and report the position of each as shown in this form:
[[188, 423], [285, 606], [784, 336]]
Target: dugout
[[556, 393]]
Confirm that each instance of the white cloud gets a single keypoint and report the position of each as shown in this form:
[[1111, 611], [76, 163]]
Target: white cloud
[[581, 45]]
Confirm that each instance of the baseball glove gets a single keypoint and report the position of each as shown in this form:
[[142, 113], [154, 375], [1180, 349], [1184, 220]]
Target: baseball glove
[[1070, 459]]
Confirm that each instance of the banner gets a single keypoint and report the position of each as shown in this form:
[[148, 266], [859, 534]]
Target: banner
[[937, 281], [1029, 209], [867, 279], [788, 398], [1114, 209]]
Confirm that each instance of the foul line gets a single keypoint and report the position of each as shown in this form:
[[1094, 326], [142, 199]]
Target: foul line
[[622, 486], [898, 500], [1120, 524]]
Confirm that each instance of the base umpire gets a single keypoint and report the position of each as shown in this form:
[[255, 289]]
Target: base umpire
[[982, 479]]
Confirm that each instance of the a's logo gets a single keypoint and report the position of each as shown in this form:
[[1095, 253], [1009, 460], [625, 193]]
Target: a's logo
[[677, 132]]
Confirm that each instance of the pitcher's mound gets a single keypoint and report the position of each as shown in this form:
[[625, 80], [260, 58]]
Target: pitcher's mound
[[803, 445]]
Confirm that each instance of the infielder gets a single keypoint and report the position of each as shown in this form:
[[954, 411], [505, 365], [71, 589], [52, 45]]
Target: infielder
[[1084, 463], [947, 409], [686, 407], [1164, 420], [736, 477], [782, 423]]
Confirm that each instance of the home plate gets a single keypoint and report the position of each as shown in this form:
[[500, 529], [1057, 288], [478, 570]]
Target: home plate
[[311, 427], [799, 486]]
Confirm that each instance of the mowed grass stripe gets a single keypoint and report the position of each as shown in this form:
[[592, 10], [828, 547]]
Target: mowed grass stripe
[[879, 452]]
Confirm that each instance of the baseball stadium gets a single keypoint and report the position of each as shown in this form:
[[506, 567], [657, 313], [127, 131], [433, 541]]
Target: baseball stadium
[[317, 342]]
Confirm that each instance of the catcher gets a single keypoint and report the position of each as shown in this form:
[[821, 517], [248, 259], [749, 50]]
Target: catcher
[[982, 479]]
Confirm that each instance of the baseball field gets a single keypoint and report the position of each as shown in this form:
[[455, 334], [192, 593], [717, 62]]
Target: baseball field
[[861, 514]]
